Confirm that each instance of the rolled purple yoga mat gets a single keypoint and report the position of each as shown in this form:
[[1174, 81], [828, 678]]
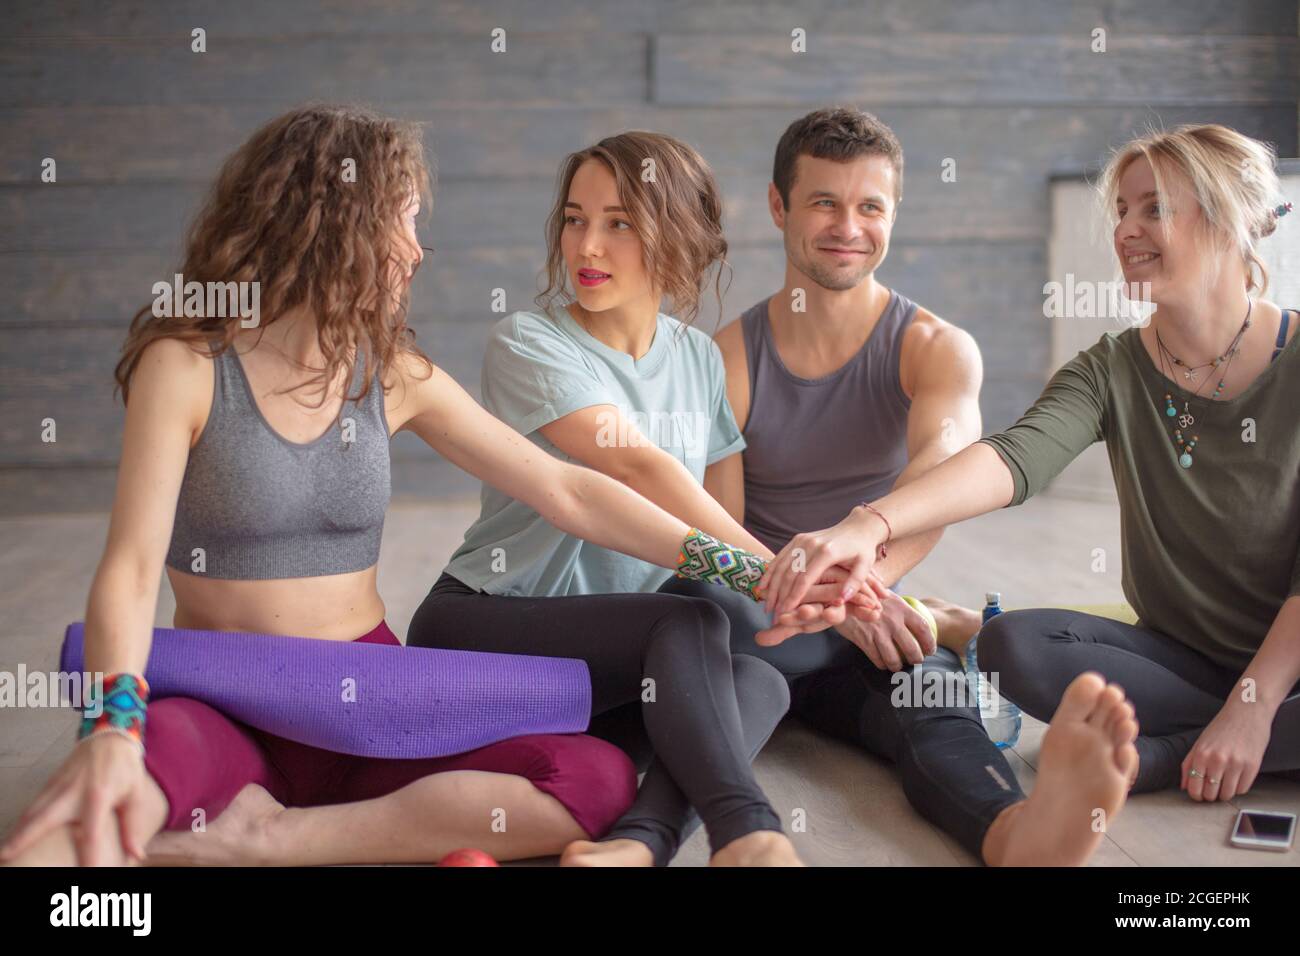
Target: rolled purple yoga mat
[[371, 700]]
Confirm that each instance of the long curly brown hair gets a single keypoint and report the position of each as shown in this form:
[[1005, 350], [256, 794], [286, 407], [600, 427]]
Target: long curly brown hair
[[283, 213]]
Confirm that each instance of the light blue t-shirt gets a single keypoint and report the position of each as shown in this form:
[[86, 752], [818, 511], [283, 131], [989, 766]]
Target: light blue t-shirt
[[537, 370]]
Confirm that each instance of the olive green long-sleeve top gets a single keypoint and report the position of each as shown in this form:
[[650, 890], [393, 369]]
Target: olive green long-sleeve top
[[1209, 552]]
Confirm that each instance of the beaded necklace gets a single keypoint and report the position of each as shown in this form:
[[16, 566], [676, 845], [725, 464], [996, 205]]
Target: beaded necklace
[[1187, 419]]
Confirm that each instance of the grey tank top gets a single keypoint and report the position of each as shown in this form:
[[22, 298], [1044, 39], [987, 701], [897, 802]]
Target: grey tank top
[[255, 505], [817, 447]]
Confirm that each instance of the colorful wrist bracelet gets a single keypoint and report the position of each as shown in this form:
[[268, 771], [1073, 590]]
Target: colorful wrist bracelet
[[705, 558], [122, 699]]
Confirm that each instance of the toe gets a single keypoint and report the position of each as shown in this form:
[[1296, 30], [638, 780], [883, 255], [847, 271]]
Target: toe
[[1119, 713], [1124, 732], [1126, 758], [1080, 697], [1130, 718], [1105, 706]]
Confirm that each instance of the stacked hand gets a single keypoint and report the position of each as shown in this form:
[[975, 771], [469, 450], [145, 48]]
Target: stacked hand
[[824, 579], [899, 636], [892, 633], [845, 552], [823, 605]]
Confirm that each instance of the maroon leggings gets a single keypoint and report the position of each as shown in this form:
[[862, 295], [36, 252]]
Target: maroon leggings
[[201, 759]]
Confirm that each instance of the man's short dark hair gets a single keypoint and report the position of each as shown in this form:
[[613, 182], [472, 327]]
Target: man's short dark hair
[[839, 133]]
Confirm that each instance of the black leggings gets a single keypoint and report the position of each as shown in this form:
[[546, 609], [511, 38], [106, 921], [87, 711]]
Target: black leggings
[[706, 714], [1175, 690], [951, 771]]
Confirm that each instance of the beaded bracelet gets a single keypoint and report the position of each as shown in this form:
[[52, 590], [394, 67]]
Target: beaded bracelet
[[705, 558], [122, 699]]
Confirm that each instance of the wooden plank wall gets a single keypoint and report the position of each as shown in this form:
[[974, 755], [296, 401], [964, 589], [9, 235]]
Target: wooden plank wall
[[138, 124]]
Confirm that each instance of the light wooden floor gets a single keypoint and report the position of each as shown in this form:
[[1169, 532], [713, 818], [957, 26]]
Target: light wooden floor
[[1042, 553]]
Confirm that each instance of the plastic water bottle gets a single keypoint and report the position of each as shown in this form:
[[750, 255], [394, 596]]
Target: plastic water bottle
[[1001, 717]]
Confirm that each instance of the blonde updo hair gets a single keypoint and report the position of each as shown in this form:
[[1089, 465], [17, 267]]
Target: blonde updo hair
[[1232, 176]]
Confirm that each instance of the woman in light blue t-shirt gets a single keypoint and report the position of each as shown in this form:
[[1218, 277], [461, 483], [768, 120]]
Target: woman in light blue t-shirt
[[608, 381]]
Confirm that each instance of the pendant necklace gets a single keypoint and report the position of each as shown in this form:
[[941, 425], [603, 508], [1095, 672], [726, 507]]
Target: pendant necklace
[[1186, 420]]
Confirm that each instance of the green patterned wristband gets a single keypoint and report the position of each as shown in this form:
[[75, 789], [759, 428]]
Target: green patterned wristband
[[705, 558]]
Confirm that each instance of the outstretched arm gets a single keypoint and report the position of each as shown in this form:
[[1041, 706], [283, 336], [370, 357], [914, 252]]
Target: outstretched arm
[[646, 469], [661, 478], [577, 500], [997, 471], [970, 483], [101, 787], [942, 365]]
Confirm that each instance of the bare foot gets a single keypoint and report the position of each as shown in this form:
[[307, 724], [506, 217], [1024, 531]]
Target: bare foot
[[1083, 777], [238, 837], [957, 624], [607, 853], [760, 848]]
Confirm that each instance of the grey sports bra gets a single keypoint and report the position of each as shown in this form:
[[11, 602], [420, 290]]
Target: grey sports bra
[[254, 505]]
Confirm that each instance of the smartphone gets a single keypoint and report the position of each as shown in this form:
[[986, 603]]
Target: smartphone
[[1264, 830]]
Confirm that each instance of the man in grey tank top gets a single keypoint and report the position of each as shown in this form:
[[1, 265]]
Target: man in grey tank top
[[844, 389]]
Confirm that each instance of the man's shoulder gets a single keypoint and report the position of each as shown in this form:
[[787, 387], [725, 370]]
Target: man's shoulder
[[731, 337], [928, 333]]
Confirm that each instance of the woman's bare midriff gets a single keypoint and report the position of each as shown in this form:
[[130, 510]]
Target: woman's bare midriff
[[336, 607]]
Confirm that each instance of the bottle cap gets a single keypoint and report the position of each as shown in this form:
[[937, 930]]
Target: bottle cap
[[992, 597]]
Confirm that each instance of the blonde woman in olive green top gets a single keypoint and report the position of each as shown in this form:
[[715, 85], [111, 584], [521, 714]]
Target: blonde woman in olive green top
[[1198, 412]]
